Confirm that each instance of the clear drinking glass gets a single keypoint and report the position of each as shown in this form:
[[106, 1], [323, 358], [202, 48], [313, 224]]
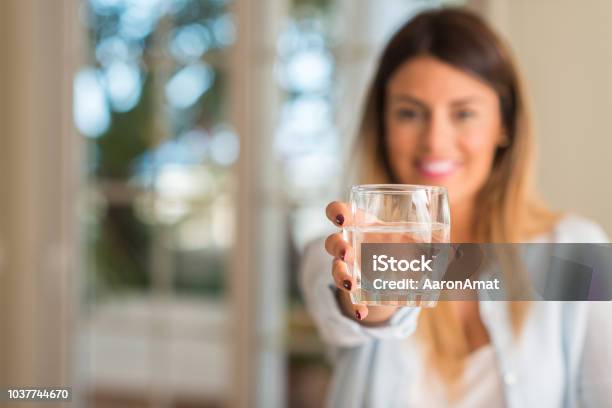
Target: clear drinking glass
[[415, 215]]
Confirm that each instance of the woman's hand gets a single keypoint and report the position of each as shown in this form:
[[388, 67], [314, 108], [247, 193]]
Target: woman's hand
[[339, 214]]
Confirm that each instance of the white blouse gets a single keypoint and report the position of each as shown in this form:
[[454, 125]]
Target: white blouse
[[480, 384]]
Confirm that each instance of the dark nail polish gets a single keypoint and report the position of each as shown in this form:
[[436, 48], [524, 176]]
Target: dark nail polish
[[347, 284], [340, 219], [358, 315], [343, 254]]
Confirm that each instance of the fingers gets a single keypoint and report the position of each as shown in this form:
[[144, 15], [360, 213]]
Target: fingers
[[337, 247], [360, 311], [346, 283], [342, 253], [339, 213], [342, 278]]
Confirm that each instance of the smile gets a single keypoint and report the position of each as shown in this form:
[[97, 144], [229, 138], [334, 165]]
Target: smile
[[436, 168]]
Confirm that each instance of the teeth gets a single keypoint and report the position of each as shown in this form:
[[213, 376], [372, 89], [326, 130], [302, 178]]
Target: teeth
[[442, 166]]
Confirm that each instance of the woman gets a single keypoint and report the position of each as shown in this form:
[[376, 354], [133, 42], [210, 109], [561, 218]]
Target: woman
[[446, 108]]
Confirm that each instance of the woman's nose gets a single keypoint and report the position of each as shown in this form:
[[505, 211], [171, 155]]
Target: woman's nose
[[436, 134]]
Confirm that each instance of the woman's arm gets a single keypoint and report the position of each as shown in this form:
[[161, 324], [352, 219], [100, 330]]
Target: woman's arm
[[595, 379], [594, 325]]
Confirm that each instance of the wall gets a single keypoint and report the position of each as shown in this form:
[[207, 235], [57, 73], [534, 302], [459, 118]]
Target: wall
[[563, 48], [37, 184]]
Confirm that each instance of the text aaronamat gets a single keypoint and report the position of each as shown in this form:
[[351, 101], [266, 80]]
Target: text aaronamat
[[428, 284]]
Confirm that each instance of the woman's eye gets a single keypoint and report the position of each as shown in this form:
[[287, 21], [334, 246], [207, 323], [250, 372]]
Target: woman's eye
[[409, 114], [464, 114]]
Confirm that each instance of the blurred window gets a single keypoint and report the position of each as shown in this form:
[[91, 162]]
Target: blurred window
[[152, 104]]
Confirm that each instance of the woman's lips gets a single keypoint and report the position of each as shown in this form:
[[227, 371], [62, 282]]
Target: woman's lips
[[436, 168]]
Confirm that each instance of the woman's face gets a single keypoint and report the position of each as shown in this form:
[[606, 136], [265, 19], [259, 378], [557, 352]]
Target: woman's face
[[442, 127]]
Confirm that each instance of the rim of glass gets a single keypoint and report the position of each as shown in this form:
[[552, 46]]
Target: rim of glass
[[396, 188]]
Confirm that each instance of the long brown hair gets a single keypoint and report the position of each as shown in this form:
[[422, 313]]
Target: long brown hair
[[507, 205]]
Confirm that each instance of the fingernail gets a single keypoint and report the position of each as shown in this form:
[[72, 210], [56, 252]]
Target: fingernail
[[358, 315], [343, 254], [339, 219], [347, 284]]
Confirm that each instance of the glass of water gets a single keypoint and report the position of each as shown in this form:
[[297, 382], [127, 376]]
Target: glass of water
[[400, 236]]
